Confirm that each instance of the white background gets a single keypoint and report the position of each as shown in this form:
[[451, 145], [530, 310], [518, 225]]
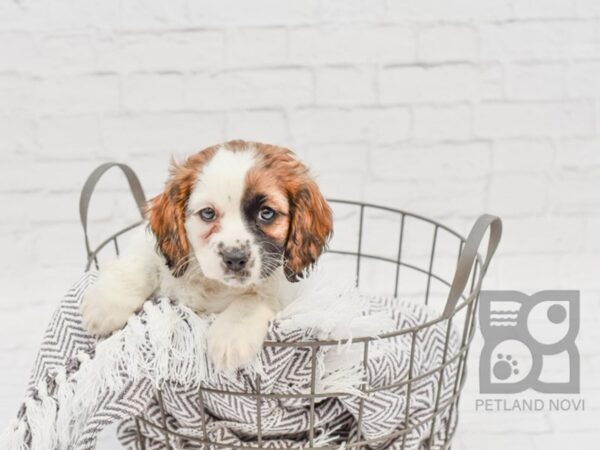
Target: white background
[[445, 108]]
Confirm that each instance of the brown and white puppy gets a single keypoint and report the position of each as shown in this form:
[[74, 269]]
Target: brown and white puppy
[[234, 222]]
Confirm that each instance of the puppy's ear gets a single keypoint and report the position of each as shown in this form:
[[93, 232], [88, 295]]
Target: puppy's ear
[[166, 218], [310, 228]]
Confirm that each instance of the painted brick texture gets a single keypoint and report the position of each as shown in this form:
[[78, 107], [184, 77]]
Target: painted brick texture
[[447, 109]]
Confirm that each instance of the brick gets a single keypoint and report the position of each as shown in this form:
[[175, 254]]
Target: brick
[[68, 16], [14, 17], [360, 124], [21, 249], [73, 174], [523, 155], [155, 13], [334, 185], [15, 179], [172, 51], [13, 326], [498, 441], [341, 159], [448, 43], [536, 81], [518, 194], [161, 132], [592, 238], [17, 136], [152, 170], [72, 53], [18, 207], [73, 95], [438, 123], [552, 8], [345, 86], [19, 53], [539, 235], [440, 10], [439, 83], [106, 15], [51, 210], [560, 440], [250, 89], [259, 12], [539, 40], [352, 10], [588, 8], [22, 290], [464, 198], [429, 163], [575, 423], [511, 273], [504, 119], [261, 126], [18, 95], [583, 79], [256, 46], [153, 92], [356, 44], [72, 137], [576, 192], [515, 430], [578, 153]]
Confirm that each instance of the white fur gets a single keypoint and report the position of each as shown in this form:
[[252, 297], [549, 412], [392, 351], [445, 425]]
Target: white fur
[[123, 286], [246, 307], [220, 185]]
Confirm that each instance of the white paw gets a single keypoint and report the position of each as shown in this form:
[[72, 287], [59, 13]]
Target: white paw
[[102, 312], [234, 344]]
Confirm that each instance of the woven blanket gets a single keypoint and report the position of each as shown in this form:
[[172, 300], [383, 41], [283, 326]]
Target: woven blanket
[[151, 372]]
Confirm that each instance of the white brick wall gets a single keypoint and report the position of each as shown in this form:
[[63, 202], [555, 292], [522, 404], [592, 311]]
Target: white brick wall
[[446, 108]]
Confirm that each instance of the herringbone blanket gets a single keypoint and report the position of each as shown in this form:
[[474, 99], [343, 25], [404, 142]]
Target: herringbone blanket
[[155, 367]]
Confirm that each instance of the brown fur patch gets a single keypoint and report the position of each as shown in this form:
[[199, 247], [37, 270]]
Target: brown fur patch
[[279, 175], [303, 225], [167, 212]]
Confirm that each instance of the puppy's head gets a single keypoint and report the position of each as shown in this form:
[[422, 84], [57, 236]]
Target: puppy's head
[[241, 210]]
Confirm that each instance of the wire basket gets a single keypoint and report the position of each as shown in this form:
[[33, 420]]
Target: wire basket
[[390, 252]]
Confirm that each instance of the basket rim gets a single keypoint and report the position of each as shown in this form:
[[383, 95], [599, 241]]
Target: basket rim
[[466, 299]]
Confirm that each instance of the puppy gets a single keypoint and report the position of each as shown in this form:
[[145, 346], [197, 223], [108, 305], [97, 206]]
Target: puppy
[[234, 224]]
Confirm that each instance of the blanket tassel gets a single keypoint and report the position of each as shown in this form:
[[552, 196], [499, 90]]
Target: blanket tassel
[[13, 436], [64, 398], [41, 417]]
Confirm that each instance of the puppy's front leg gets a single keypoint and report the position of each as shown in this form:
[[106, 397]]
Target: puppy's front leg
[[237, 334], [122, 288]]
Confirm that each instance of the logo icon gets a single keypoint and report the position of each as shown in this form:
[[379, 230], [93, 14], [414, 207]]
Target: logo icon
[[529, 342]]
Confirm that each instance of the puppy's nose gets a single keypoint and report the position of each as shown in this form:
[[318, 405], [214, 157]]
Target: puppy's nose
[[235, 259]]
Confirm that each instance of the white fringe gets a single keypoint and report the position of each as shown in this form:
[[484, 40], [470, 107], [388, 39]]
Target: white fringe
[[41, 418], [326, 436], [65, 391], [13, 436], [169, 343], [331, 307]]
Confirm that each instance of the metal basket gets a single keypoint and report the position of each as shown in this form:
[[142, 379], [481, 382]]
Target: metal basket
[[417, 255]]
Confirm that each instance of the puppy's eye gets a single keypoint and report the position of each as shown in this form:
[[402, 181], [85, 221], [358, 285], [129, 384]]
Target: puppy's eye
[[266, 214], [207, 214]]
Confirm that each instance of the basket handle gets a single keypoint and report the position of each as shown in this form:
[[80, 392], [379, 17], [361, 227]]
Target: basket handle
[[88, 189], [469, 255]]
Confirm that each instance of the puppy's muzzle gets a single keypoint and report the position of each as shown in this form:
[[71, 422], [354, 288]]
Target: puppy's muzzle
[[235, 259]]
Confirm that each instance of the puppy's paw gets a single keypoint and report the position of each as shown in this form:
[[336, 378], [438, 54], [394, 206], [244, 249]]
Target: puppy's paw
[[102, 313], [234, 344]]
